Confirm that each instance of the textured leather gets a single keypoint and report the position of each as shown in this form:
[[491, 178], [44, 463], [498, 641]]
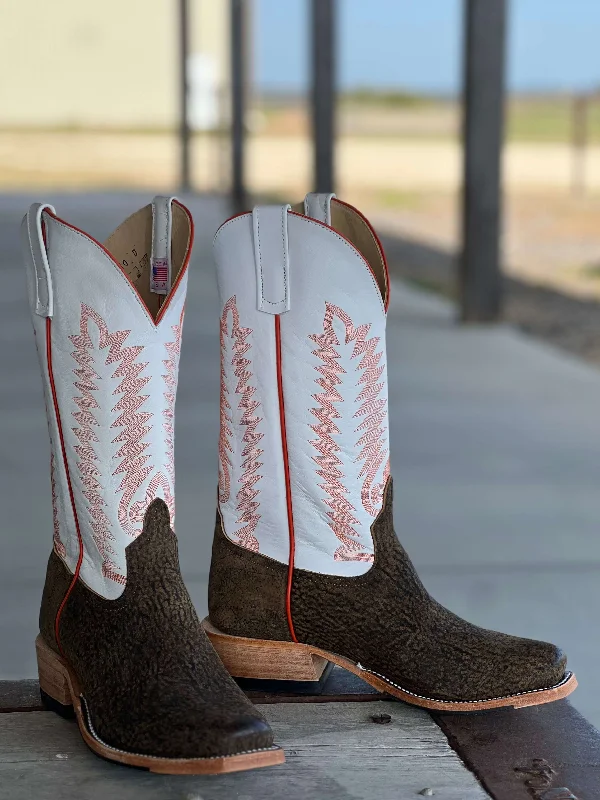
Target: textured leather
[[151, 681], [334, 394], [272, 258], [317, 205], [384, 620], [115, 379]]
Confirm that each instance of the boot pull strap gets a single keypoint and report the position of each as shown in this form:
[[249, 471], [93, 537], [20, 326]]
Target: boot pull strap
[[271, 258], [37, 267], [160, 257], [317, 205]]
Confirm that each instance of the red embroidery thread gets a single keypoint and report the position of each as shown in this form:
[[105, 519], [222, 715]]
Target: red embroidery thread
[[247, 505], [225, 432], [133, 423], [371, 433], [138, 509], [170, 379]]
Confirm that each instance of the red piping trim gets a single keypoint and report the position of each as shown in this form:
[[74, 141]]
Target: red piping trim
[[288, 487], [182, 272], [354, 247], [232, 217], [72, 496], [379, 245]]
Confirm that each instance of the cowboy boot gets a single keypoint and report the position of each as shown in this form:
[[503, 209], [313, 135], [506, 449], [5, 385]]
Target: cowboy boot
[[119, 639], [306, 567]]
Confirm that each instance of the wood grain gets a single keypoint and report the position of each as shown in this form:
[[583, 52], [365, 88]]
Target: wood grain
[[20, 696], [333, 752]]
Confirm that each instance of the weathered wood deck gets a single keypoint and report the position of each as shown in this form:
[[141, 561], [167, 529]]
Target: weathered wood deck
[[335, 750]]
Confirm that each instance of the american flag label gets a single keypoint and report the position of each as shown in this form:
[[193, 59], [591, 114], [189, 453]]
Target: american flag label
[[159, 282]]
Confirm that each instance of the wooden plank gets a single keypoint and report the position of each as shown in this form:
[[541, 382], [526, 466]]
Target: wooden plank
[[323, 18], [483, 127], [20, 696], [547, 752], [333, 751], [513, 753]]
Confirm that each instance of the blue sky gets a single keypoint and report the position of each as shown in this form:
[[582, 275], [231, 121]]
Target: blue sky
[[415, 44]]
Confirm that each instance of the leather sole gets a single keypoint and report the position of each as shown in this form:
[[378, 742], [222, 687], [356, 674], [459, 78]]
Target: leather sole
[[271, 660], [59, 683]]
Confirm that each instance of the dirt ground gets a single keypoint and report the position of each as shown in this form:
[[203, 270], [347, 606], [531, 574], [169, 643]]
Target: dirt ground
[[551, 261], [549, 238], [408, 186]]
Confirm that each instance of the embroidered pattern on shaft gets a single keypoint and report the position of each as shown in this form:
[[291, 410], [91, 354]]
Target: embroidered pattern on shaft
[[370, 431], [58, 545], [225, 432], [172, 369], [57, 541], [234, 353], [133, 426]]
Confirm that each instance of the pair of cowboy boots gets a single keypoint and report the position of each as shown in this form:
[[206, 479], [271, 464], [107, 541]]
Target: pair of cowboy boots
[[306, 568]]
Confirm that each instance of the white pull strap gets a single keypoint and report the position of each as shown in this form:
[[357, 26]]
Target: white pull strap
[[272, 258], [317, 206], [39, 280], [162, 226]]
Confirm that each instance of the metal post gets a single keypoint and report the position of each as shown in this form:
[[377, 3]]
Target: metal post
[[238, 42], [483, 129], [185, 182], [323, 92]]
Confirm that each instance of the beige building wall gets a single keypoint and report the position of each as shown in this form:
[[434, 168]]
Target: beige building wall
[[109, 64]]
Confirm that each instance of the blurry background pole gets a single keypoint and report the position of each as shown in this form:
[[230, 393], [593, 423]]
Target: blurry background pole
[[323, 92], [483, 129], [238, 44], [579, 142], [185, 182]]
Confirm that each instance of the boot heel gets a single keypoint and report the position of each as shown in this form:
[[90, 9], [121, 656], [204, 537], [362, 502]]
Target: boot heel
[[54, 676], [265, 660]]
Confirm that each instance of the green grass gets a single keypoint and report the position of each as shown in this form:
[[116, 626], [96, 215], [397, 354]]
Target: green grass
[[542, 119], [394, 199], [385, 99], [549, 120]]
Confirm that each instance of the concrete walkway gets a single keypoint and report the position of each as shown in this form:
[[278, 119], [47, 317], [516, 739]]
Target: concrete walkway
[[496, 458]]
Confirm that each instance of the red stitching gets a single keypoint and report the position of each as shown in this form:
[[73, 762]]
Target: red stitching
[[379, 246], [225, 432], [171, 365], [247, 504], [71, 495], [371, 439], [288, 485], [133, 425], [182, 271]]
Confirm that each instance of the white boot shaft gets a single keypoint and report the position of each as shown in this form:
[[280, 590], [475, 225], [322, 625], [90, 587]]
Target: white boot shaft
[[108, 341], [304, 434]]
